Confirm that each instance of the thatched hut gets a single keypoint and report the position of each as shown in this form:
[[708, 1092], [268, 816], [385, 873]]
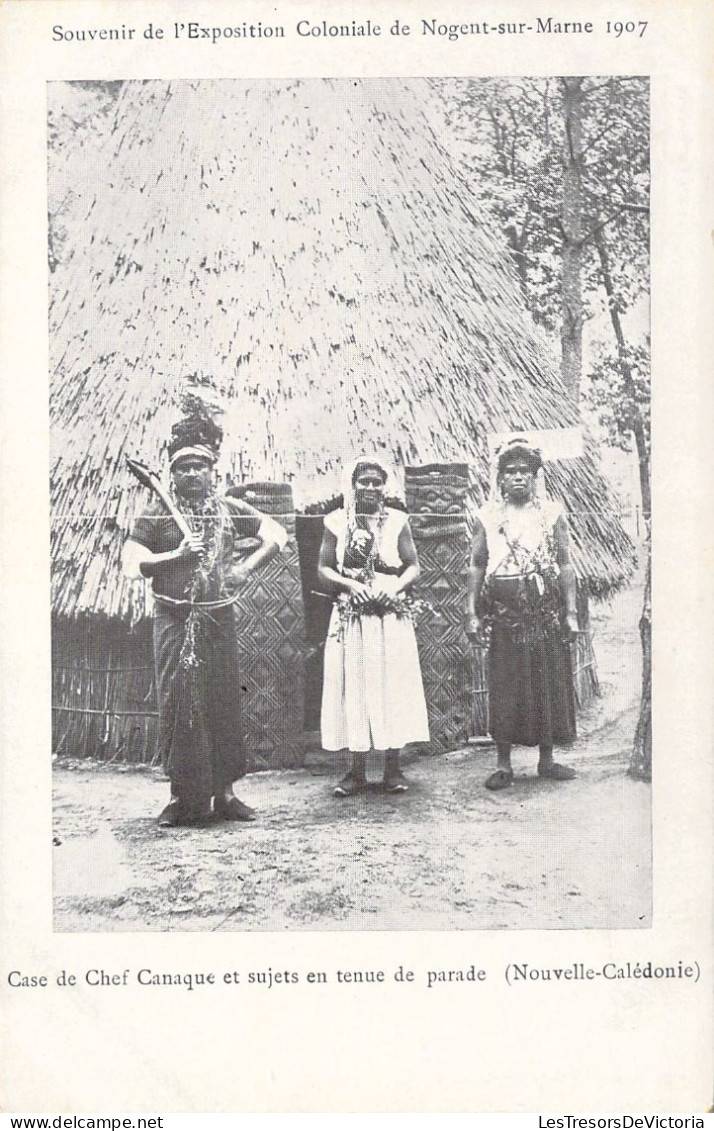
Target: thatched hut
[[308, 248]]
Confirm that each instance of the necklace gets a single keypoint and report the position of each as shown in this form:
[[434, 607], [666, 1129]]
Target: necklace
[[206, 518], [363, 536]]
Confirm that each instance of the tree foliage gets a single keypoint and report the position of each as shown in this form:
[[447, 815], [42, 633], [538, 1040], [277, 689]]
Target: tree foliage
[[622, 403], [515, 147]]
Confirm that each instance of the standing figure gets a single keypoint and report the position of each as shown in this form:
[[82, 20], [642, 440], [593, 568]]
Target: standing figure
[[373, 697], [195, 581], [521, 586]]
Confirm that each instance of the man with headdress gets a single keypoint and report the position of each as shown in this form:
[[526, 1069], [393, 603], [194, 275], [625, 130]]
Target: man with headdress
[[195, 579], [521, 589]]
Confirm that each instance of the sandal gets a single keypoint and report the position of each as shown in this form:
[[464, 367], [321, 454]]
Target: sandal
[[556, 772], [349, 785], [171, 816], [395, 782], [499, 779], [232, 809]]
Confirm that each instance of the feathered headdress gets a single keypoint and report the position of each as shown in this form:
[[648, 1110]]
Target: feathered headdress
[[197, 433]]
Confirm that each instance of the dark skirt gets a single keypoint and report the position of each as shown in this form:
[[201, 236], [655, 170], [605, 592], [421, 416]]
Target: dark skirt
[[531, 697], [200, 732]]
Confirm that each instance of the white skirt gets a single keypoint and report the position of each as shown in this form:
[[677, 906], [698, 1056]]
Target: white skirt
[[372, 691]]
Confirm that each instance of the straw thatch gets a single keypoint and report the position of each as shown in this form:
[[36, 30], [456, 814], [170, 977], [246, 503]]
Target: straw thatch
[[309, 248]]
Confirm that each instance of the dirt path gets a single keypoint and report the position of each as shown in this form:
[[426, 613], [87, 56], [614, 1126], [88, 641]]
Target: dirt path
[[447, 855]]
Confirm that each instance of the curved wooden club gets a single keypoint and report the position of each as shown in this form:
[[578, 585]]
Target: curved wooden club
[[151, 480]]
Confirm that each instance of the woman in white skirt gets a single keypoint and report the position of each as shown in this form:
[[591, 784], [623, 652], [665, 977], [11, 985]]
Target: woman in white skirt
[[373, 696]]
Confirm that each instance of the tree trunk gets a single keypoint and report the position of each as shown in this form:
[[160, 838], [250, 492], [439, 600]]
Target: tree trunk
[[572, 224], [517, 242], [641, 758], [638, 426]]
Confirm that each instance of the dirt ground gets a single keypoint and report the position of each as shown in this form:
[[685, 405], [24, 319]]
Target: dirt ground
[[446, 855]]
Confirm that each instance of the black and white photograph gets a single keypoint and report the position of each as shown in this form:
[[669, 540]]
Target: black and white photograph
[[350, 503], [354, 463]]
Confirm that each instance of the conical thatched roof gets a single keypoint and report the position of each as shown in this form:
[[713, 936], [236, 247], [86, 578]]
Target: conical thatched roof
[[309, 248]]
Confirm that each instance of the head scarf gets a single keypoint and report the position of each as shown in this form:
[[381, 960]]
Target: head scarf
[[201, 450]]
